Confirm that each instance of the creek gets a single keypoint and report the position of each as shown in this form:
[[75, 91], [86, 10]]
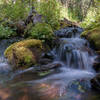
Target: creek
[[71, 81]]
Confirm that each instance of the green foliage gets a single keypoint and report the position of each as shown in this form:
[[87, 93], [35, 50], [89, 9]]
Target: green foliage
[[75, 14], [50, 9], [90, 18], [41, 31], [6, 32], [93, 17], [14, 11]]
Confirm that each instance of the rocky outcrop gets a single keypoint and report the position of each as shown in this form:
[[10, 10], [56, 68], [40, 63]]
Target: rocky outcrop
[[93, 35], [24, 54]]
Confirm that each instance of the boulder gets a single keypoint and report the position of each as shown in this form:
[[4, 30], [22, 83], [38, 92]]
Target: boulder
[[24, 54], [93, 36]]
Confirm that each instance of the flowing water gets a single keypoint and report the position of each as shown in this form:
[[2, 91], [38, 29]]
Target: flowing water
[[69, 82]]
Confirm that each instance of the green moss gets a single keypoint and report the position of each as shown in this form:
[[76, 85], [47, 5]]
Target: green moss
[[28, 59], [25, 43], [20, 54], [44, 73], [6, 32], [93, 35], [51, 9], [63, 24]]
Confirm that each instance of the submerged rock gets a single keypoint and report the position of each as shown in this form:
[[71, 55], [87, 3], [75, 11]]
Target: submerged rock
[[24, 54]]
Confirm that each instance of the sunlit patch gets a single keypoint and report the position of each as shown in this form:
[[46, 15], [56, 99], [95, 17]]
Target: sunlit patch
[[4, 93], [48, 92]]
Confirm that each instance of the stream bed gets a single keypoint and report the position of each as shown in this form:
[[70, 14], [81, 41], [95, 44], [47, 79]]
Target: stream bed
[[71, 81]]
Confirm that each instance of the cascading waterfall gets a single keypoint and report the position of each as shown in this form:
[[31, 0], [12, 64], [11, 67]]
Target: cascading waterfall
[[75, 51]]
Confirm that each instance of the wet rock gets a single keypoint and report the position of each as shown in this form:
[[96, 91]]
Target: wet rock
[[47, 55], [44, 61], [24, 54], [48, 66], [95, 83], [68, 32]]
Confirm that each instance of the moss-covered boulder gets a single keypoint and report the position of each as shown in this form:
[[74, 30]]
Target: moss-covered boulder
[[24, 54], [93, 35]]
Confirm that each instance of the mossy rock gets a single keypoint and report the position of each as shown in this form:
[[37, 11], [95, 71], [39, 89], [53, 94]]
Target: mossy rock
[[64, 24], [93, 35], [67, 23], [24, 54]]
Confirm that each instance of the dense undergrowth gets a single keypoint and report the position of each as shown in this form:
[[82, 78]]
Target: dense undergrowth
[[18, 18], [13, 17]]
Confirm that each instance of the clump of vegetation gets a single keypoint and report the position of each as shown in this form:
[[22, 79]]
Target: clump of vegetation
[[42, 31], [6, 32], [93, 17], [92, 31], [13, 11], [51, 10]]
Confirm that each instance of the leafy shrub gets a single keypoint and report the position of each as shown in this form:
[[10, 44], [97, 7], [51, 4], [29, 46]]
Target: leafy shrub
[[5, 32], [42, 31], [50, 9], [92, 19], [14, 11]]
